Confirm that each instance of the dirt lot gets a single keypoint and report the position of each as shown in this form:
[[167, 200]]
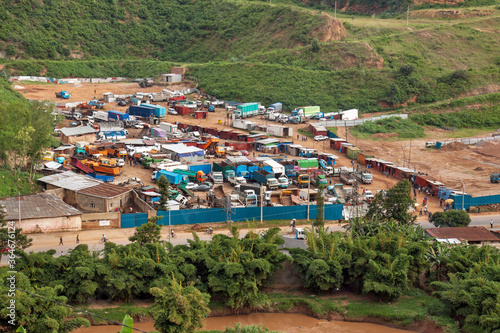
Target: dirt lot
[[472, 164]]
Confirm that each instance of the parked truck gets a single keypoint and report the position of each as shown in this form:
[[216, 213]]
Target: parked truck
[[346, 176], [117, 115], [328, 170], [63, 94], [319, 179], [302, 180], [364, 176], [141, 111], [217, 177], [172, 177], [226, 169], [266, 178], [495, 178], [306, 111], [247, 110], [198, 176], [101, 115], [275, 108]]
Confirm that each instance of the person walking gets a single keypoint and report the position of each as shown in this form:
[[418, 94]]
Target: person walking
[[340, 222], [77, 240], [478, 210], [60, 241], [292, 224], [491, 224]]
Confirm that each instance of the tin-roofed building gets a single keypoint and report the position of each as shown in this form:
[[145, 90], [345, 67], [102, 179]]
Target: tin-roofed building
[[183, 153], [70, 135], [66, 184], [471, 235], [41, 213], [104, 198]]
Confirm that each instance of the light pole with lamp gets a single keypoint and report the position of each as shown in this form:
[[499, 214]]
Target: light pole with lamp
[[463, 193]]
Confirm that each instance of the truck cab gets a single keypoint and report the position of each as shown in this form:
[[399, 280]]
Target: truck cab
[[272, 183], [217, 177], [302, 180], [283, 182], [250, 198], [495, 178]]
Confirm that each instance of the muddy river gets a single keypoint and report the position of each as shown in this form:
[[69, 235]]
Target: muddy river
[[283, 322]]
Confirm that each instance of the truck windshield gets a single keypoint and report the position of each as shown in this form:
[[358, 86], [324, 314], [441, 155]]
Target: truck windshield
[[368, 176]]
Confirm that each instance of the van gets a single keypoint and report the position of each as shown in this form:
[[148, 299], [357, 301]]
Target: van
[[430, 144]]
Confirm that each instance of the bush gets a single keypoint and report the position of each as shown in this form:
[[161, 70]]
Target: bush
[[452, 218]]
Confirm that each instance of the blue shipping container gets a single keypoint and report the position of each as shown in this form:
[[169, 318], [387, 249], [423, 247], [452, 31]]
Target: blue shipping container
[[173, 178], [206, 168], [141, 111], [117, 115], [160, 111]]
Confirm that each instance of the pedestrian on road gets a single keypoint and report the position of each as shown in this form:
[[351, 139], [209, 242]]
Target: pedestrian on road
[[414, 192], [292, 224], [60, 241], [77, 240], [440, 203], [478, 210], [340, 222], [491, 224], [136, 163], [133, 135]]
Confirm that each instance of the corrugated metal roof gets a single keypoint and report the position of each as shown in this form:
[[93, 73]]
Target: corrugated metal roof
[[70, 131], [70, 181], [104, 190], [267, 141], [182, 149], [52, 165], [37, 206], [471, 234], [64, 148]]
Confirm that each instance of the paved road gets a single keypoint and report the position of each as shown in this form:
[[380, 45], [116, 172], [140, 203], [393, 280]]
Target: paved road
[[45, 242]]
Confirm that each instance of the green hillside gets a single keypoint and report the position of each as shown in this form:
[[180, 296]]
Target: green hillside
[[256, 51]]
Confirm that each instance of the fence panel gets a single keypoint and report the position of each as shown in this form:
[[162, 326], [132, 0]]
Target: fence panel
[[140, 219], [127, 221]]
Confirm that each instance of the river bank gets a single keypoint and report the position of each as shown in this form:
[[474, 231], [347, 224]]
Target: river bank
[[415, 311]]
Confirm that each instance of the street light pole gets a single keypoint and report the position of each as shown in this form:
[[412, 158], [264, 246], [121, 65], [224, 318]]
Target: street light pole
[[463, 193]]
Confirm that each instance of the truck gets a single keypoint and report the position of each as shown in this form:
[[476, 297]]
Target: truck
[[101, 115], [302, 180], [116, 152], [198, 176], [141, 111], [247, 110], [277, 168], [319, 179], [495, 178], [96, 104], [306, 111], [283, 182], [172, 177], [266, 178], [63, 94], [328, 170], [275, 108], [217, 177], [224, 168], [211, 108], [346, 176], [117, 115], [237, 181], [250, 198], [159, 111], [243, 187], [364, 176]]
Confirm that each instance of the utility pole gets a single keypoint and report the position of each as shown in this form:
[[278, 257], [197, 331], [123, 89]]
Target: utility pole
[[463, 193], [345, 125], [261, 203], [169, 231], [308, 197], [335, 9], [408, 15], [409, 155]]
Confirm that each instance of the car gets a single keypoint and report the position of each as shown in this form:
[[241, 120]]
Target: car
[[74, 123], [120, 162], [201, 187], [368, 195], [122, 103], [244, 152], [320, 138], [209, 184], [190, 186], [172, 112], [139, 126]]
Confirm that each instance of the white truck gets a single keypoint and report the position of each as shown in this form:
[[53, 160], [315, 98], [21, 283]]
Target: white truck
[[364, 176], [100, 115], [217, 177], [237, 180]]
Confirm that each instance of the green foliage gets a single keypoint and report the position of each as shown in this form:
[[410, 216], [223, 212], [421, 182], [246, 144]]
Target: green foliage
[[393, 205], [179, 309], [40, 315], [129, 321], [404, 128], [483, 117], [164, 189], [247, 329], [452, 218], [149, 232], [319, 221]]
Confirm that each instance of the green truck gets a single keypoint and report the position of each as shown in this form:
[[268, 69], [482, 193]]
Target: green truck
[[247, 110], [306, 111], [198, 176], [146, 161]]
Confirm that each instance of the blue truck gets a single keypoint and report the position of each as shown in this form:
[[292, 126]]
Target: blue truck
[[205, 167], [172, 177], [141, 111], [266, 178], [117, 115], [276, 107], [211, 108]]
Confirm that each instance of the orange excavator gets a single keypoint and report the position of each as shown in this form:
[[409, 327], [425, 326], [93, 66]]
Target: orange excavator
[[211, 147]]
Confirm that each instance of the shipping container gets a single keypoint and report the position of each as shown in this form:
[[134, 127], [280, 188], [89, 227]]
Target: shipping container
[[182, 110], [141, 111], [362, 157], [335, 143], [169, 128], [200, 114], [160, 111], [310, 163], [239, 145], [205, 167], [158, 132], [352, 152]]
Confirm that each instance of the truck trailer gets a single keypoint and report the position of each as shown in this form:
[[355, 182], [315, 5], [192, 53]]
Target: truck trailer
[[247, 110]]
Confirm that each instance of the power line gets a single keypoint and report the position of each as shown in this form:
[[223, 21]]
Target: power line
[[74, 308]]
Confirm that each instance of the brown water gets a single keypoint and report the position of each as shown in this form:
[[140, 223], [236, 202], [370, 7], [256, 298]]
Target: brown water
[[283, 322]]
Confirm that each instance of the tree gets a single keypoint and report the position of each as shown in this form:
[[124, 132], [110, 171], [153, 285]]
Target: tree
[[315, 47], [319, 221], [164, 188], [451, 218], [179, 309], [147, 233], [395, 204]]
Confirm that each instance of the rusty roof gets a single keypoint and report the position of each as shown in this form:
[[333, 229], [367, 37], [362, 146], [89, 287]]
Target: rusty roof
[[471, 234], [37, 206], [104, 190]]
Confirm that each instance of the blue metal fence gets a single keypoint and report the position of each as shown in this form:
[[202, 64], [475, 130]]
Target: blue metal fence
[[214, 215], [133, 220], [469, 201], [330, 134]]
